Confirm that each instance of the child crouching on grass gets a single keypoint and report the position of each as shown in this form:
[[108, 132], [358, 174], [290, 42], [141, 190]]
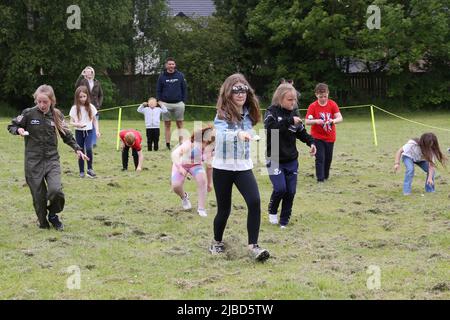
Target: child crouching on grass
[[188, 158], [423, 152]]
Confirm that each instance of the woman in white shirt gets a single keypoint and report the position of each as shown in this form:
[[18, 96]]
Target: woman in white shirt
[[82, 117]]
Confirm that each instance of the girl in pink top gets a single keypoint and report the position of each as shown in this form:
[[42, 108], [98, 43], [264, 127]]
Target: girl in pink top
[[188, 158]]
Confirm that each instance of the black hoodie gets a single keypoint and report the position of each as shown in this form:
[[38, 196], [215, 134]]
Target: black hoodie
[[279, 118]]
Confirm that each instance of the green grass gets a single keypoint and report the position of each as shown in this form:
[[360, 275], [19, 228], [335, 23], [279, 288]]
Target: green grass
[[127, 234]]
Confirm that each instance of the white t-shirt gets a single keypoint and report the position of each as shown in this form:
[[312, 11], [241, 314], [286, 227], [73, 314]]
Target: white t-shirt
[[84, 117], [412, 150]]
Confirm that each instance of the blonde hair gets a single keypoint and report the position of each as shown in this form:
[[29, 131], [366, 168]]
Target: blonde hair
[[206, 134], [58, 117], [281, 92], [152, 99], [130, 138], [226, 108], [89, 68], [46, 90]]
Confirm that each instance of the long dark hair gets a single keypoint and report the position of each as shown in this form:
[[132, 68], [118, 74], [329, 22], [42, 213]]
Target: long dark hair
[[87, 104], [429, 146], [227, 110]]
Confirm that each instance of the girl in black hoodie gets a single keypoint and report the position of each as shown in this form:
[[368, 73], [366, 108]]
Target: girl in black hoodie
[[283, 127]]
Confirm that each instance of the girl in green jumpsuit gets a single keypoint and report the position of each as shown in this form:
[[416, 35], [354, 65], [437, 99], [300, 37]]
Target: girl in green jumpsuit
[[40, 126]]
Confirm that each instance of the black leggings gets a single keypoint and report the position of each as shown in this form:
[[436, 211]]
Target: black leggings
[[246, 183]]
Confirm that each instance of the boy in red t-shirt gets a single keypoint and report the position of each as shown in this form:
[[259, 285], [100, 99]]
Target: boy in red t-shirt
[[131, 139], [323, 114]]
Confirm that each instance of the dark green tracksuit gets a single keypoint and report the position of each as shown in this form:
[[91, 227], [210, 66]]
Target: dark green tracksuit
[[42, 167]]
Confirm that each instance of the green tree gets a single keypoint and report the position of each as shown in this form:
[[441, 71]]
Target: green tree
[[151, 23], [317, 40], [205, 51], [37, 46]]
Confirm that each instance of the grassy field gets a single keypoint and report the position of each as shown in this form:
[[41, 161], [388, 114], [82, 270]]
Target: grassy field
[[130, 239]]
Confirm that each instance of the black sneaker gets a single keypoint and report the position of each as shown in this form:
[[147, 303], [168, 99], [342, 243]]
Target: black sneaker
[[91, 173], [168, 145], [56, 223], [216, 247], [259, 254], [124, 169]]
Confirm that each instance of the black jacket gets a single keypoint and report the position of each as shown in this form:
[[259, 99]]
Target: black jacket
[[278, 118]]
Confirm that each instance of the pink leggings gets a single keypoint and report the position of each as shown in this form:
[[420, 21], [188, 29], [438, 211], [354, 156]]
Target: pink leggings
[[198, 172]]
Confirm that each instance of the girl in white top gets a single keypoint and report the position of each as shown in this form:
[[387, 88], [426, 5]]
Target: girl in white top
[[82, 117], [424, 152]]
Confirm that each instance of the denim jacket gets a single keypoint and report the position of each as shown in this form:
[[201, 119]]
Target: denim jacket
[[231, 153]]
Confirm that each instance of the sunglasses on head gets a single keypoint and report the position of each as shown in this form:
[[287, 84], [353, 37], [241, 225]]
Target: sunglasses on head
[[239, 89]]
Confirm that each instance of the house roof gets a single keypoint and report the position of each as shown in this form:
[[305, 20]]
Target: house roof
[[202, 8]]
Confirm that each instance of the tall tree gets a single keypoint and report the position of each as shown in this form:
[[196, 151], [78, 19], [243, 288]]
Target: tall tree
[[39, 42], [317, 40], [151, 23], [205, 50]]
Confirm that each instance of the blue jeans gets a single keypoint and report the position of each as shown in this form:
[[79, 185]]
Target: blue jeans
[[284, 181], [409, 174], [84, 139]]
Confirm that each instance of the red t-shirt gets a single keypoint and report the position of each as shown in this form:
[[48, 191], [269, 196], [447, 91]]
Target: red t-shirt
[[137, 143], [325, 132]]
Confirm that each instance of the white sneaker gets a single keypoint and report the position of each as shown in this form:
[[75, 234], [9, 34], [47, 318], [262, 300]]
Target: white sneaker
[[202, 213], [273, 218], [185, 202]]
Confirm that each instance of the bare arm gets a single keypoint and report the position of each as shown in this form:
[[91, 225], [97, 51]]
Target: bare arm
[[177, 160], [397, 159], [75, 123], [310, 122], [209, 171], [431, 170], [97, 127], [337, 117], [141, 160]]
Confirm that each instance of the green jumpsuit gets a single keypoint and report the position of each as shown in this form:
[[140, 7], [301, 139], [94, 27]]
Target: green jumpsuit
[[42, 167]]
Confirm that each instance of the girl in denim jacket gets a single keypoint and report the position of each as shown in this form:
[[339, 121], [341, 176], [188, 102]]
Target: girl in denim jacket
[[237, 112]]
